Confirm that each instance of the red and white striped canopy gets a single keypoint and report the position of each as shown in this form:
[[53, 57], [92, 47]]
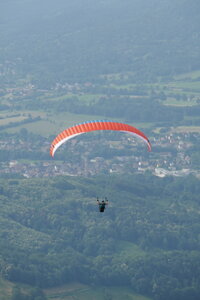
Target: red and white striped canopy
[[88, 126]]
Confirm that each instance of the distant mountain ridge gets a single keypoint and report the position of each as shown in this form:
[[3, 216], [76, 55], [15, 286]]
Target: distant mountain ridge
[[83, 39]]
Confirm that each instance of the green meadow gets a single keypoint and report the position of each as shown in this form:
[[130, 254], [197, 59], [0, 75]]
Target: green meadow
[[5, 289], [73, 291], [84, 292]]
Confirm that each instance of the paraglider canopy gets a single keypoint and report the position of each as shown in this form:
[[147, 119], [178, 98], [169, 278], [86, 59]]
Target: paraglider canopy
[[95, 125]]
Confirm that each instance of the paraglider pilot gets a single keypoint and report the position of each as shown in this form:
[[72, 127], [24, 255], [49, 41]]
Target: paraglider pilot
[[102, 204]]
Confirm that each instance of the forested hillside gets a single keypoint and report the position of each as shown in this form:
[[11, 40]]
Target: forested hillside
[[52, 233]]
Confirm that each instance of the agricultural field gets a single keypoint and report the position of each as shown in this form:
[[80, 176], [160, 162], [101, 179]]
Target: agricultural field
[[73, 291], [84, 292], [186, 129], [46, 124], [48, 112], [5, 289]]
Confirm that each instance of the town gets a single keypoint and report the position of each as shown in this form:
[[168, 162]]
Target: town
[[170, 155], [173, 150]]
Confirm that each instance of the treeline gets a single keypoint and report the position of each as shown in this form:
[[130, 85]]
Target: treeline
[[18, 123], [147, 109], [52, 233]]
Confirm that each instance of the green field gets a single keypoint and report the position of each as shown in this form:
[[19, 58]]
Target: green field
[[191, 75], [84, 292], [74, 291], [5, 289], [181, 91], [187, 129], [51, 124], [173, 102], [189, 86]]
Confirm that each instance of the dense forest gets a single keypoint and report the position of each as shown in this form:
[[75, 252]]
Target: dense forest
[[52, 233]]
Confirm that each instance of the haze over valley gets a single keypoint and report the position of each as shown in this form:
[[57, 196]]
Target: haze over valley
[[66, 62]]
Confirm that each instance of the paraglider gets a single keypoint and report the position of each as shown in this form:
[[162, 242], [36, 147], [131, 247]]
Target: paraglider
[[102, 204], [95, 125]]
